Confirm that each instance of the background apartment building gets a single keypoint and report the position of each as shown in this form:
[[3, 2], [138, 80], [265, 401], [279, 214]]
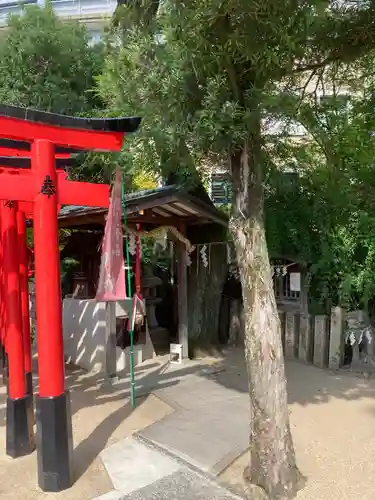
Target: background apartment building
[[95, 14]]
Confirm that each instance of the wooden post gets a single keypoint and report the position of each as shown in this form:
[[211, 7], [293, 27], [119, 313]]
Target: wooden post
[[110, 341], [182, 296]]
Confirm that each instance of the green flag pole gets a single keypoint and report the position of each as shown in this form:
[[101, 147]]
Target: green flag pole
[[131, 333]]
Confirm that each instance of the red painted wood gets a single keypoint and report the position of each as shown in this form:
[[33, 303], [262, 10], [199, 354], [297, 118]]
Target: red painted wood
[[24, 187], [138, 289], [2, 295], [24, 289], [47, 276], [95, 140], [30, 262], [13, 188], [13, 335], [26, 154], [83, 193]]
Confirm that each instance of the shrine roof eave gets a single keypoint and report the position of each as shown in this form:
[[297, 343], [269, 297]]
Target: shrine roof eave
[[167, 205], [299, 261]]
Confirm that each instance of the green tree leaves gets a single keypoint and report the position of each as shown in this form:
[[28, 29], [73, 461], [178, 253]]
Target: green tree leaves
[[47, 64]]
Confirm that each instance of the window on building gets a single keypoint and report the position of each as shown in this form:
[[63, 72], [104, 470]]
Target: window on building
[[281, 285], [221, 189]]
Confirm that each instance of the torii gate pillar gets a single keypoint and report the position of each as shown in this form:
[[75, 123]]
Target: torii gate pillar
[[19, 431], [44, 188], [53, 412], [25, 313]]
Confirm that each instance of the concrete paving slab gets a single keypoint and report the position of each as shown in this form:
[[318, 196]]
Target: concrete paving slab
[[209, 427], [132, 465], [193, 390], [182, 485]]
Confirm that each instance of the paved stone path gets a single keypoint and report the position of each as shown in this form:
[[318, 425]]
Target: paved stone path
[[139, 472], [332, 421], [181, 485], [209, 427]]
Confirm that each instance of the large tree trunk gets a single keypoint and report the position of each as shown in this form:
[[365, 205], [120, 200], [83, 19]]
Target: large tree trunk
[[272, 459], [205, 287]]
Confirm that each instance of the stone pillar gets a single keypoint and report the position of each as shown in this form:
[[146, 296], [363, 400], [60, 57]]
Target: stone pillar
[[336, 341], [306, 341], [321, 341], [291, 335]]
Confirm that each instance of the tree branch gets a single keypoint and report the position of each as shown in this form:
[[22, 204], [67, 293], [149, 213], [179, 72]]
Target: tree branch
[[356, 37]]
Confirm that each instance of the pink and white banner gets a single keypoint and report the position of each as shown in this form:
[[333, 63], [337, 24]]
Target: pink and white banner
[[112, 272]]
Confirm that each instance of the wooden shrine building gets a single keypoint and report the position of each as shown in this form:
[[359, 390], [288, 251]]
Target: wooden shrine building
[[166, 207]]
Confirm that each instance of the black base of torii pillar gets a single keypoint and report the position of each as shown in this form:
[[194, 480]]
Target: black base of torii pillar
[[54, 443], [19, 433]]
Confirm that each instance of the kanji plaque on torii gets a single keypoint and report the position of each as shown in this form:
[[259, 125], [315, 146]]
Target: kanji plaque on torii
[[48, 138]]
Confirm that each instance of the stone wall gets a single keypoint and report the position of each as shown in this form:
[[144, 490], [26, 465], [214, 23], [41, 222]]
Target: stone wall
[[306, 338], [319, 340], [343, 339]]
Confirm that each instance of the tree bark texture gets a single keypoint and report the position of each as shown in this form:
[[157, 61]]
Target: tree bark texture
[[236, 323], [272, 459], [205, 287]]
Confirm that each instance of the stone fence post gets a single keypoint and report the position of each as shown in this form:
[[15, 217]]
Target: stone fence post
[[336, 341], [321, 341], [291, 335], [306, 339]]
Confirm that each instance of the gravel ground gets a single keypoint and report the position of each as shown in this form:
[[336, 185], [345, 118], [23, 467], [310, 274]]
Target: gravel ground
[[182, 485], [333, 425]]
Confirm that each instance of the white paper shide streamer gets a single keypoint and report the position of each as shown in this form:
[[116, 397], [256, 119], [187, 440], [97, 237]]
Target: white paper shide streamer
[[203, 253], [132, 244], [229, 255]]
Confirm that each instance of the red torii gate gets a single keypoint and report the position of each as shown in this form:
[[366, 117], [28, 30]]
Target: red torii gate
[[18, 247], [42, 186]]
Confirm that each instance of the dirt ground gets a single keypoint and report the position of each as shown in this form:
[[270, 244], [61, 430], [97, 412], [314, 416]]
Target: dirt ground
[[101, 417], [333, 426], [332, 419]]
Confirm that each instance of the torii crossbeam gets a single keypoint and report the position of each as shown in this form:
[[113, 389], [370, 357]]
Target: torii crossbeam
[[47, 135]]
